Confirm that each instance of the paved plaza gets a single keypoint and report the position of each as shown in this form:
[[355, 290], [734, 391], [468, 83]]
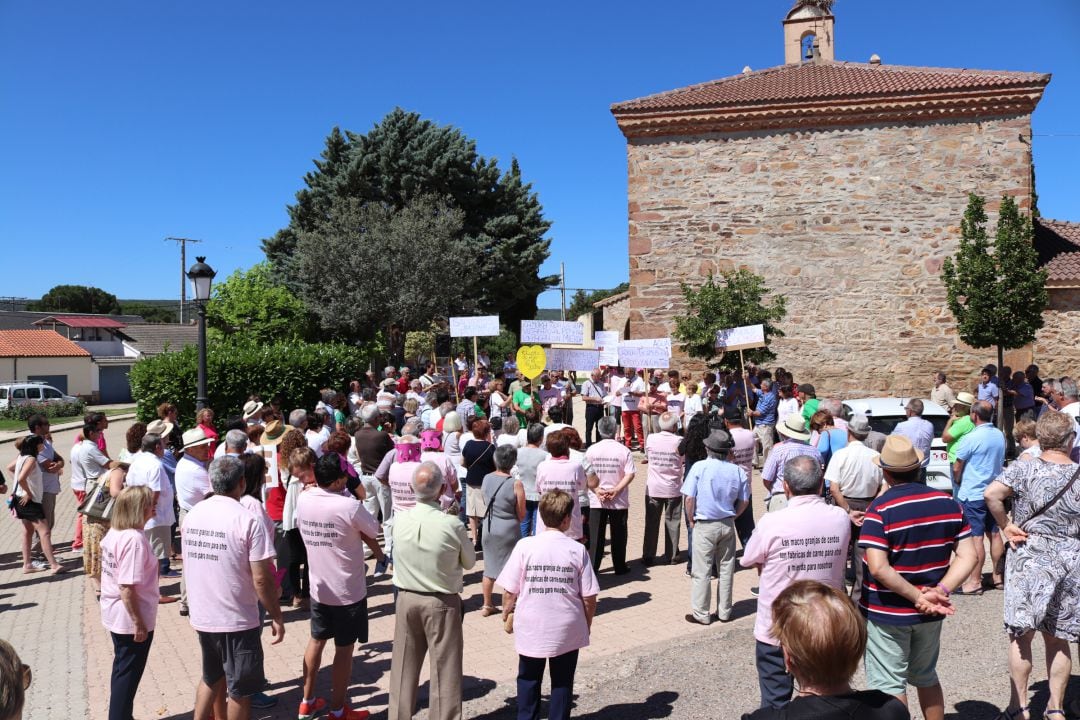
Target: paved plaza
[[644, 661]]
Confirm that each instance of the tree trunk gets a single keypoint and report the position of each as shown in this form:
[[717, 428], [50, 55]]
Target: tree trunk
[[1001, 389]]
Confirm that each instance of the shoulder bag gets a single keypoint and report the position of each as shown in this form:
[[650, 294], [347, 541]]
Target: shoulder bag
[[98, 504], [1058, 496]]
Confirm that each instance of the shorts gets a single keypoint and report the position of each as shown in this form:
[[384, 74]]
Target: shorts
[[902, 655], [978, 517], [238, 656], [346, 624], [475, 505], [31, 511], [159, 538]]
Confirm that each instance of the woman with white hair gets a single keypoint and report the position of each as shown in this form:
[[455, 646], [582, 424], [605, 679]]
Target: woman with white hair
[[505, 496]]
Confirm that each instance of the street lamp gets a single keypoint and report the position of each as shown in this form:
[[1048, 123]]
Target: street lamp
[[201, 276]]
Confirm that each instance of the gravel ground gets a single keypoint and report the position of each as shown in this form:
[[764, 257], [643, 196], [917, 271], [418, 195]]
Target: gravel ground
[[713, 675]]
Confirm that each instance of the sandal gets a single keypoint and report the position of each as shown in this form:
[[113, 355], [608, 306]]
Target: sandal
[[1008, 714], [1059, 711], [488, 610], [961, 591]]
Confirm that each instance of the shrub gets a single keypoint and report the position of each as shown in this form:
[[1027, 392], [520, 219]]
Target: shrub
[[52, 410], [237, 368]]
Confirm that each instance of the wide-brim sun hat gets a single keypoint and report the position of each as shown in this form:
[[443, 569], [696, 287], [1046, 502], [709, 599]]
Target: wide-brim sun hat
[[251, 409], [898, 455], [273, 433], [965, 398], [163, 428], [794, 427], [195, 437]]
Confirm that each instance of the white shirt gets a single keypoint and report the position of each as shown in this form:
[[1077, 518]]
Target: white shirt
[[192, 482], [146, 469], [1073, 411], [785, 408], [853, 472], [316, 439], [92, 462], [632, 402], [78, 480], [616, 383]]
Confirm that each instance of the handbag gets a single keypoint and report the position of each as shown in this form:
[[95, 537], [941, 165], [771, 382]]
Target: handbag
[[98, 504]]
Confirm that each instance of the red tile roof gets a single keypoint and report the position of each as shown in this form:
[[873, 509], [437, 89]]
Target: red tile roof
[[81, 321], [830, 93], [1058, 243], [38, 343], [1064, 268]]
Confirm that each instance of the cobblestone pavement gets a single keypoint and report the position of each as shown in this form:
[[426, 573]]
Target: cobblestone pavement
[[645, 660]]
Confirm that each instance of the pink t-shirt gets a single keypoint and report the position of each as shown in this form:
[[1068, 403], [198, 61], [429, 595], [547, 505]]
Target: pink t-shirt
[[332, 527], [611, 461], [450, 484], [743, 454], [807, 540], [566, 475], [401, 490], [127, 559], [221, 539], [665, 465], [550, 574], [257, 511]]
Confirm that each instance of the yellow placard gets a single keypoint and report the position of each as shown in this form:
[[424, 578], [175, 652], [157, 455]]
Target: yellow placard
[[531, 361]]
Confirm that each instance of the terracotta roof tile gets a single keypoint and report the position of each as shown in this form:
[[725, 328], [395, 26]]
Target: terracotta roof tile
[[38, 343], [1058, 244], [1064, 268], [824, 81]]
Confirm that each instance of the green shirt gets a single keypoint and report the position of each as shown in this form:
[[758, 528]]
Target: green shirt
[[524, 401], [432, 560], [959, 429], [809, 409]]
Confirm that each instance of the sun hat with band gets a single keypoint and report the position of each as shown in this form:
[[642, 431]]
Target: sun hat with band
[[195, 437], [965, 398], [273, 433], [898, 455], [794, 427], [163, 428], [251, 408]]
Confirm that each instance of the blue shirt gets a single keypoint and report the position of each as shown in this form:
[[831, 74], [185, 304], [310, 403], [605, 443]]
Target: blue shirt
[[766, 405], [921, 434], [989, 392], [718, 487], [983, 453]]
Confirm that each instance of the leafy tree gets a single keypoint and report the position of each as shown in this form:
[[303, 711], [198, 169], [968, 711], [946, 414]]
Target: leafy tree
[[582, 301], [405, 157], [77, 299], [366, 268], [251, 303], [996, 293], [151, 313], [736, 300]]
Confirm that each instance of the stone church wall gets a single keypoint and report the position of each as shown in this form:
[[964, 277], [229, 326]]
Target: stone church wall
[[850, 224], [1057, 347]]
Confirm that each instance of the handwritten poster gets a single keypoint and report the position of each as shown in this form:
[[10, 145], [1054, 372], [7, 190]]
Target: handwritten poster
[[552, 331], [562, 359], [633, 356], [607, 342], [650, 342], [482, 326], [741, 338]]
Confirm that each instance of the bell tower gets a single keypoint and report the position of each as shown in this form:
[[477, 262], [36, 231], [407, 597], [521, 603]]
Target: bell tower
[[808, 32]]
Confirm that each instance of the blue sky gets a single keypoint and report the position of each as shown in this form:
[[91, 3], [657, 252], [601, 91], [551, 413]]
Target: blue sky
[[126, 122]]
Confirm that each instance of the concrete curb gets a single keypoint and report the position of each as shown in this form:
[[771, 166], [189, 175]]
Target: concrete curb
[[12, 436]]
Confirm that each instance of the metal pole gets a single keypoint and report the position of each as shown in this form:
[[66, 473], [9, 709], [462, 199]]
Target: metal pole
[[183, 277], [201, 400], [746, 390], [562, 287]]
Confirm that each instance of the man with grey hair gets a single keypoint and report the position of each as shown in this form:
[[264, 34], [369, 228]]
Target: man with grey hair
[[147, 469], [236, 442], [372, 444], [717, 491], [662, 496], [227, 563], [764, 417], [1069, 401], [836, 409], [612, 471], [432, 550], [942, 394], [806, 540], [917, 429], [980, 457]]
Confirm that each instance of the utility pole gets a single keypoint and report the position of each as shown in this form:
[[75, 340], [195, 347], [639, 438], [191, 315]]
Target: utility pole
[[182, 242], [562, 287]]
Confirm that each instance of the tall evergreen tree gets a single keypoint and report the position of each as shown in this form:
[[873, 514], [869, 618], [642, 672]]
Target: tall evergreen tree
[[996, 293], [405, 157]]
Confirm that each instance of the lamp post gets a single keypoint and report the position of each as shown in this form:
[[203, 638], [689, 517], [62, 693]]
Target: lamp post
[[201, 276]]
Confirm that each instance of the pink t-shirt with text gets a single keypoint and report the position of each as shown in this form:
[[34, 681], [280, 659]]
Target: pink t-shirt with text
[[743, 454], [665, 465], [566, 475], [221, 539], [551, 574], [332, 526], [807, 540], [127, 559], [611, 461], [401, 490], [258, 512]]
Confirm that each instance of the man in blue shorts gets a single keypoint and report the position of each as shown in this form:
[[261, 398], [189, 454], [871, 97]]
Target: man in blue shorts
[[979, 459]]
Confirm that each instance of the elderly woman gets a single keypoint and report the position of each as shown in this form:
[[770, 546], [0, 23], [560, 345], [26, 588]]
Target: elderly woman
[[1024, 434], [132, 441], [26, 495], [301, 476], [1042, 568], [829, 438], [823, 637], [562, 472], [129, 595], [502, 520], [553, 610]]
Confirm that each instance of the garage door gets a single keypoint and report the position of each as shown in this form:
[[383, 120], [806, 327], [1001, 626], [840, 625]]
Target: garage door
[[57, 381], [113, 381]]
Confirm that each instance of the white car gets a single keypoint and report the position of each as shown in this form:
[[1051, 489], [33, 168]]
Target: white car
[[31, 393], [885, 413]]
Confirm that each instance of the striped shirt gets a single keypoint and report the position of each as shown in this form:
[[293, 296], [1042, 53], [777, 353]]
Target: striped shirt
[[918, 528], [773, 472]]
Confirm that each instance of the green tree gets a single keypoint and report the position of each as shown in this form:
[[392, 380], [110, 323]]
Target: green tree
[[365, 268], [997, 293], [736, 300], [252, 304], [582, 301], [405, 157], [151, 313], [77, 299]]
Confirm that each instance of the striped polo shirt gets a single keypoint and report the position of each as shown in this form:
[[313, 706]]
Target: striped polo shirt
[[918, 528]]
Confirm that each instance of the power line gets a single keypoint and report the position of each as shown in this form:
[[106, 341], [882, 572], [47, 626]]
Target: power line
[[182, 242]]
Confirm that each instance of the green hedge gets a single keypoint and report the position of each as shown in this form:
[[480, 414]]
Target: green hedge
[[237, 368], [52, 410]]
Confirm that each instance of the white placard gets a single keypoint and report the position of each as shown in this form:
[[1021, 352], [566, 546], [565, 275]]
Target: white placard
[[652, 342], [635, 356], [573, 360], [482, 326], [607, 342], [552, 331], [741, 338]]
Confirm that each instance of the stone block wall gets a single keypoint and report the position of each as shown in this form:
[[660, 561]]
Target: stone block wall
[[1057, 347], [851, 224]]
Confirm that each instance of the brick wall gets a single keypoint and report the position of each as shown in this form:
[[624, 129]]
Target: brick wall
[[851, 224]]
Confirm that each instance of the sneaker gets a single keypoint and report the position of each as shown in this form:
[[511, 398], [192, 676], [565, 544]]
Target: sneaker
[[349, 714], [39, 564], [170, 573], [309, 710], [261, 701], [381, 565], [755, 590]]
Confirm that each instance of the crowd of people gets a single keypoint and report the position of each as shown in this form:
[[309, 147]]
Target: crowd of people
[[857, 557]]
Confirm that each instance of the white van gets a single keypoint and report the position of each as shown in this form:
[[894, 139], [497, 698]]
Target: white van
[[31, 393], [885, 413]]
